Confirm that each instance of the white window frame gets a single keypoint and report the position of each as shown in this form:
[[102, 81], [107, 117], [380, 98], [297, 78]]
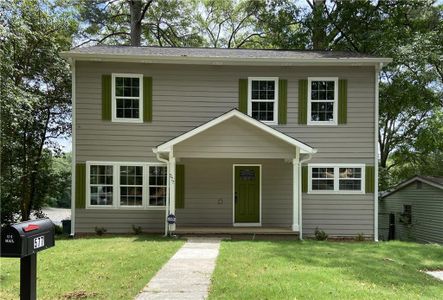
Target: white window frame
[[336, 178], [275, 101], [140, 98], [335, 109], [116, 185]]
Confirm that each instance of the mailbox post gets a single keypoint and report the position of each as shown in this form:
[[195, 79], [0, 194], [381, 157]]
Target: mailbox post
[[24, 240]]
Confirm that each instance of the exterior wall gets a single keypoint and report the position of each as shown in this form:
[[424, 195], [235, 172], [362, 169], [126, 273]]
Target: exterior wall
[[185, 97], [234, 138], [119, 220], [208, 181], [427, 213]]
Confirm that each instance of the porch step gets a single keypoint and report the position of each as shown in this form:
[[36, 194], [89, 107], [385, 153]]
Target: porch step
[[239, 233]]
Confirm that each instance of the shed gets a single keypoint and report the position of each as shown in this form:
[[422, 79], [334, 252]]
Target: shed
[[415, 207]]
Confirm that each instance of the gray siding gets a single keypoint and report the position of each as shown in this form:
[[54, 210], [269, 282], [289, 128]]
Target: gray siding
[[427, 213], [185, 97], [234, 138], [119, 220], [209, 181]]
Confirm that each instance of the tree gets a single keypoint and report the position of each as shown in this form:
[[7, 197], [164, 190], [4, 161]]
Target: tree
[[136, 22], [35, 99]]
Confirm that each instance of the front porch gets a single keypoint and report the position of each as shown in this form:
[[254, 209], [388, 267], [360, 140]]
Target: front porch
[[236, 176], [243, 233]]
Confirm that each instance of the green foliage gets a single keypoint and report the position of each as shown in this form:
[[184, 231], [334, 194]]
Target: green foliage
[[35, 99], [360, 237], [137, 229], [320, 235], [100, 230]]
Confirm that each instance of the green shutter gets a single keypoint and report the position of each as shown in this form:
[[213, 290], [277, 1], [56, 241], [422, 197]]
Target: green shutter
[[243, 95], [303, 101], [179, 186], [80, 185], [342, 101], [370, 179], [304, 179], [106, 97], [147, 99], [282, 101]]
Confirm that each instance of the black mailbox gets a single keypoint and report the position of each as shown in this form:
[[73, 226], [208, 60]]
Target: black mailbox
[[23, 239]]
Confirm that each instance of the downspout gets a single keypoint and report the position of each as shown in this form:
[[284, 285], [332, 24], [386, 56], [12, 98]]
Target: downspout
[[376, 112], [73, 157], [300, 194], [167, 189]]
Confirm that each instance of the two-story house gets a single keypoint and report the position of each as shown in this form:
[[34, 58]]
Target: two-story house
[[224, 140]]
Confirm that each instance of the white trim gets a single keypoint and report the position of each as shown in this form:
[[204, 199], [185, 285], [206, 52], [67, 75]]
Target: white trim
[[140, 98], [73, 145], [166, 147], [376, 112], [295, 193], [171, 177], [235, 224], [275, 100], [243, 61], [409, 181], [116, 185], [246, 224], [300, 193], [336, 178], [335, 111]]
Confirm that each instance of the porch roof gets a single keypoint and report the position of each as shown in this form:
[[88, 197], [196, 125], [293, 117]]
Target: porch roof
[[234, 113]]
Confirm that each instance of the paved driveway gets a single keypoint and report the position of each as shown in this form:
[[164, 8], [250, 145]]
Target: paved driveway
[[57, 214]]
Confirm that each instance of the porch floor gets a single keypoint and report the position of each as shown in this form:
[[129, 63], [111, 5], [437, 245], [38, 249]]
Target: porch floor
[[235, 230]]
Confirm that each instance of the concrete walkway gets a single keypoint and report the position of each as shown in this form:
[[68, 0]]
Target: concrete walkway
[[187, 275], [436, 274]]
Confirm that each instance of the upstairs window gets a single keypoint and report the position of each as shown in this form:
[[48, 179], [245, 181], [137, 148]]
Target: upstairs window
[[262, 99], [340, 178], [127, 101], [322, 101]]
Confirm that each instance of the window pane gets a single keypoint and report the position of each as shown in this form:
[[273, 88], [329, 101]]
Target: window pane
[[350, 184], [128, 108], [263, 111], [322, 90], [101, 195], [131, 196], [263, 90], [350, 172], [131, 181], [322, 111], [322, 185], [322, 172], [157, 196]]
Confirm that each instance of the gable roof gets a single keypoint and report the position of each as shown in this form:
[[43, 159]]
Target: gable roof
[[220, 56], [234, 113], [436, 181]]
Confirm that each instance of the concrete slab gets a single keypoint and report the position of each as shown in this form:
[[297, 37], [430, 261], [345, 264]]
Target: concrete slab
[[187, 275], [436, 274]]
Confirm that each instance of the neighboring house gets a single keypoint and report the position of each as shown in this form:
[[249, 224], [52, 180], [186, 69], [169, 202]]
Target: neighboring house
[[224, 139], [415, 207]]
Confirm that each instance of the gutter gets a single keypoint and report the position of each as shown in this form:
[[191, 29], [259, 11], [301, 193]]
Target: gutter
[[265, 61], [73, 159]]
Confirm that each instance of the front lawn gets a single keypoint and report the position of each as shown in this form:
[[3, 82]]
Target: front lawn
[[326, 270], [93, 268]]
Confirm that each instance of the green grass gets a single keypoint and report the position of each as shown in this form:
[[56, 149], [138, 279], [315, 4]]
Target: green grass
[[326, 270], [108, 267]]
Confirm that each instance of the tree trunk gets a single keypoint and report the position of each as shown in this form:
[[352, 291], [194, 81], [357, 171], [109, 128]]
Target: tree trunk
[[318, 28], [136, 24]]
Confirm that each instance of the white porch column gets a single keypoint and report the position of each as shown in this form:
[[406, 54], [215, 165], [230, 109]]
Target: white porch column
[[295, 193], [171, 177]]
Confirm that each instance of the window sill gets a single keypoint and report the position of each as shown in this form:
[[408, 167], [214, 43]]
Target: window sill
[[117, 120], [335, 192], [125, 207], [322, 123]]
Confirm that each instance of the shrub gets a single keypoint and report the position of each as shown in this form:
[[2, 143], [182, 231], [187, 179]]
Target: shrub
[[360, 237], [320, 235], [136, 229], [100, 230], [58, 229]]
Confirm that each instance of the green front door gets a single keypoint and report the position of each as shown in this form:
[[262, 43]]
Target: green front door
[[247, 194]]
